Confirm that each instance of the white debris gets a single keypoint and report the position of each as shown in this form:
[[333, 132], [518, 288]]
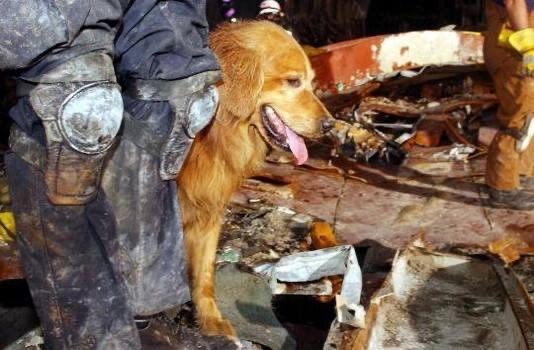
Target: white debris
[[314, 265]]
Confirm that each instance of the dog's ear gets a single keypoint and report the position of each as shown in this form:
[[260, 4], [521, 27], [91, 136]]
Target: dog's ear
[[241, 72]]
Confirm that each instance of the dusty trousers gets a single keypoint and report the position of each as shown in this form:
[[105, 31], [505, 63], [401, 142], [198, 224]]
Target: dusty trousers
[[516, 102], [149, 227], [65, 250]]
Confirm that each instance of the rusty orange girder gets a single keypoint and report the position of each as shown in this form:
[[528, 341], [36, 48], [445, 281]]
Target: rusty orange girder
[[346, 65]]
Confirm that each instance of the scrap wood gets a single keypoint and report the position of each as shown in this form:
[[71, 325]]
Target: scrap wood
[[403, 108], [399, 108], [336, 103], [450, 104], [456, 135]]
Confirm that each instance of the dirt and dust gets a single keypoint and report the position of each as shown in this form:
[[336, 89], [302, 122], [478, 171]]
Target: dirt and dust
[[262, 233], [442, 302]]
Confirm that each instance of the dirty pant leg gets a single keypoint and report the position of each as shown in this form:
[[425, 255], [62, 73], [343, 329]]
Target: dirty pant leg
[[78, 298], [526, 161], [505, 164], [152, 257], [516, 102]]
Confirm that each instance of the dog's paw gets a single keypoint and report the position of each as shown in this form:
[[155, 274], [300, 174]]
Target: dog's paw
[[222, 343], [217, 327]]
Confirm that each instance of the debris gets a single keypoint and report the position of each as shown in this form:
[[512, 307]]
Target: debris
[[338, 337], [322, 235], [32, 340], [228, 255], [524, 270], [285, 210], [511, 247], [443, 300], [245, 300], [382, 129], [429, 133], [399, 108], [260, 233], [302, 218], [456, 152], [425, 106], [387, 55], [448, 161], [314, 265]]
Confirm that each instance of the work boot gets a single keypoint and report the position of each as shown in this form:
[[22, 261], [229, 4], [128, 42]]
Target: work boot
[[511, 199], [527, 183]]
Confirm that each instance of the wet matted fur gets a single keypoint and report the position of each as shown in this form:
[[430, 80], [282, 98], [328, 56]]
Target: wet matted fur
[[265, 97]]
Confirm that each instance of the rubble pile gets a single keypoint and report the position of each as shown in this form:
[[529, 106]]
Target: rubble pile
[[407, 114], [261, 233]]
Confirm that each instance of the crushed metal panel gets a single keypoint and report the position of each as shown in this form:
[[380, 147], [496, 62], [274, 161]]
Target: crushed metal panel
[[346, 65], [443, 301]]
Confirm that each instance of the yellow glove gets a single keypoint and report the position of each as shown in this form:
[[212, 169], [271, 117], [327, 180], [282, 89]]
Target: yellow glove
[[504, 36], [8, 222], [521, 41]]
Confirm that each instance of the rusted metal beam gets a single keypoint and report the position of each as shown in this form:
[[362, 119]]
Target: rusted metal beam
[[345, 66]]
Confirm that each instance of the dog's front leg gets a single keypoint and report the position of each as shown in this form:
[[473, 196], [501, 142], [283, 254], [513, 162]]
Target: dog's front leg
[[201, 244]]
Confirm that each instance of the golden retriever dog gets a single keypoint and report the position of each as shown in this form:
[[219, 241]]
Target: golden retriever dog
[[266, 102]]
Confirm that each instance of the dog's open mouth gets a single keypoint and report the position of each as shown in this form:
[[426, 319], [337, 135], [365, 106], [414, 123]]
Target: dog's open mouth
[[281, 135]]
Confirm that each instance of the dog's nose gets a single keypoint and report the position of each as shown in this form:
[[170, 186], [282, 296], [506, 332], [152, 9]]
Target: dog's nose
[[327, 124]]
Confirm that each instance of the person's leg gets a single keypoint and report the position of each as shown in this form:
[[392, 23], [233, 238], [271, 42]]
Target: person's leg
[[516, 99], [505, 164], [78, 297], [147, 212], [526, 166]]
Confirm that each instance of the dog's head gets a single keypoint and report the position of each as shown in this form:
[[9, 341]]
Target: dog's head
[[267, 83]]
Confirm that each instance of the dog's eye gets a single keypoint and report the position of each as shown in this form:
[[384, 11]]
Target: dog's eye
[[295, 82]]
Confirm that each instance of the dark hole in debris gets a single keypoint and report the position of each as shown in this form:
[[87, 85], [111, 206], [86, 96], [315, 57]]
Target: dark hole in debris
[[361, 253], [17, 314], [307, 319]]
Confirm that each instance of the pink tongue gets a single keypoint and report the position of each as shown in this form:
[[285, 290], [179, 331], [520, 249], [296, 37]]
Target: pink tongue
[[297, 146]]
